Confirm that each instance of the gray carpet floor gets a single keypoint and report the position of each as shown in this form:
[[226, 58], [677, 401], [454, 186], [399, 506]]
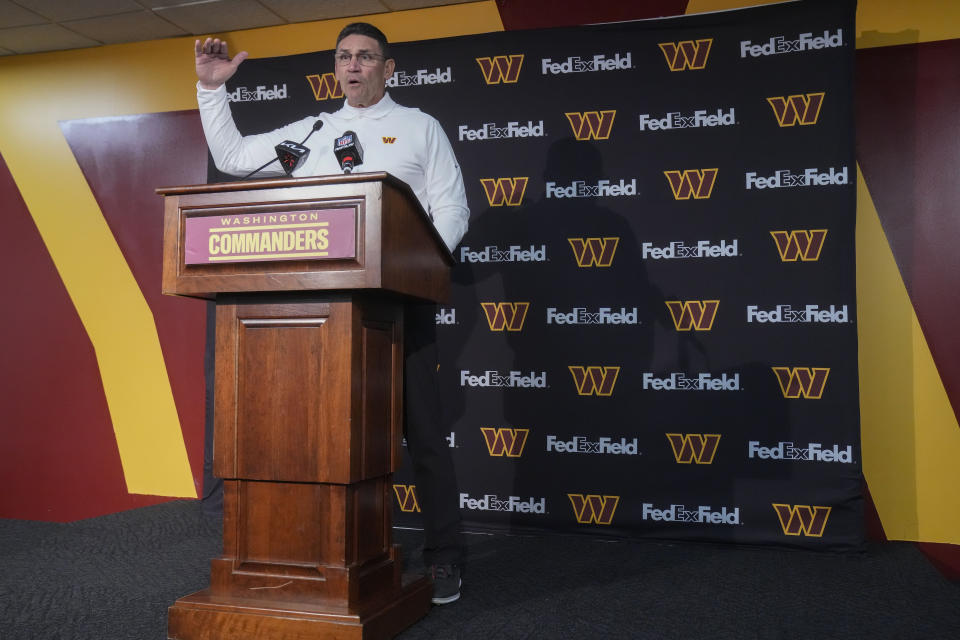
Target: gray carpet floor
[[112, 578]]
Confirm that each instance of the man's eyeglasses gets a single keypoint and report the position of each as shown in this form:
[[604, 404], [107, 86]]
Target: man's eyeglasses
[[365, 59]]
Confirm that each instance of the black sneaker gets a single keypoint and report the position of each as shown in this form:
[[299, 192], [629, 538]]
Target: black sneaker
[[446, 583]]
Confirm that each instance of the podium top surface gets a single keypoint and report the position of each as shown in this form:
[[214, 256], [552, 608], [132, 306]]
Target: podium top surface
[[280, 183]]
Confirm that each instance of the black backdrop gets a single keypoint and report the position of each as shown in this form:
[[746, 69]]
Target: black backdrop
[[652, 331]]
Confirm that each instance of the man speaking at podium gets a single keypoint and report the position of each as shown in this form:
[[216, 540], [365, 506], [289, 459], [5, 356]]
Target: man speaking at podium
[[412, 146]]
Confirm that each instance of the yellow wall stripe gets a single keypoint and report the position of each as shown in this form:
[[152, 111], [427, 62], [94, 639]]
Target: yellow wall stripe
[[910, 435], [113, 312]]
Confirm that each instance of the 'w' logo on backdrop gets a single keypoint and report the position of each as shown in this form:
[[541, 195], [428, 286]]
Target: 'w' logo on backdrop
[[594, 380], [593, 252], [504, 191], [694, 447], [801, 244], [505, 441], [798, 109], [693, 314], [802, 382], [501, 68], [687, 54], [593, 509], [325, 87], [697, 183], [407, 497], [505, 315], [802, 519], [591, 125]]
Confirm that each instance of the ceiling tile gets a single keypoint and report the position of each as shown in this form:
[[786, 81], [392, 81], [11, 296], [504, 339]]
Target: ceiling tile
[[220, 16], [12, 15], [59, 10], [44, 37], [307, 10], [125, 27]]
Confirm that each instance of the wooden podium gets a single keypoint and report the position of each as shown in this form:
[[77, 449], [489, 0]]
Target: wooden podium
[[309, 277]]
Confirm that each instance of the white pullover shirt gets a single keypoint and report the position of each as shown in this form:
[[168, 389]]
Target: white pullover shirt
[[405, 142]]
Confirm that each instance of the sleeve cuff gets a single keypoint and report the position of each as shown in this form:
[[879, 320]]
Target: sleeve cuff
[[210, 92]]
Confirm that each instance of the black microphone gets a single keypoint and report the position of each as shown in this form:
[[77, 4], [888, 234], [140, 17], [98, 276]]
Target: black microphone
[[348, 151], [290, 155]]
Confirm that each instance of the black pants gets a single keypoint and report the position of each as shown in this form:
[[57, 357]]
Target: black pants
[[433, 472]]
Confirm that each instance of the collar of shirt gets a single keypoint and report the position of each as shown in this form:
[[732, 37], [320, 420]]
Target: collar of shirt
[[384, 106]]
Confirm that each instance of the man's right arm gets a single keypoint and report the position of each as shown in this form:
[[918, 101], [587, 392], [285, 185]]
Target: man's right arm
[[232, 152]]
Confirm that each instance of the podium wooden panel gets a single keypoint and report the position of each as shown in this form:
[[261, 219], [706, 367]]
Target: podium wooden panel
[[308, 409]]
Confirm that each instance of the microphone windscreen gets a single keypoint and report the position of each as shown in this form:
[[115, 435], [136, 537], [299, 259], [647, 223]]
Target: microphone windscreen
[[291, 155]]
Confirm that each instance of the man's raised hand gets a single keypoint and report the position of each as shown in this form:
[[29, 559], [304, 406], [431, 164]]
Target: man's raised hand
[[214, 65]]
